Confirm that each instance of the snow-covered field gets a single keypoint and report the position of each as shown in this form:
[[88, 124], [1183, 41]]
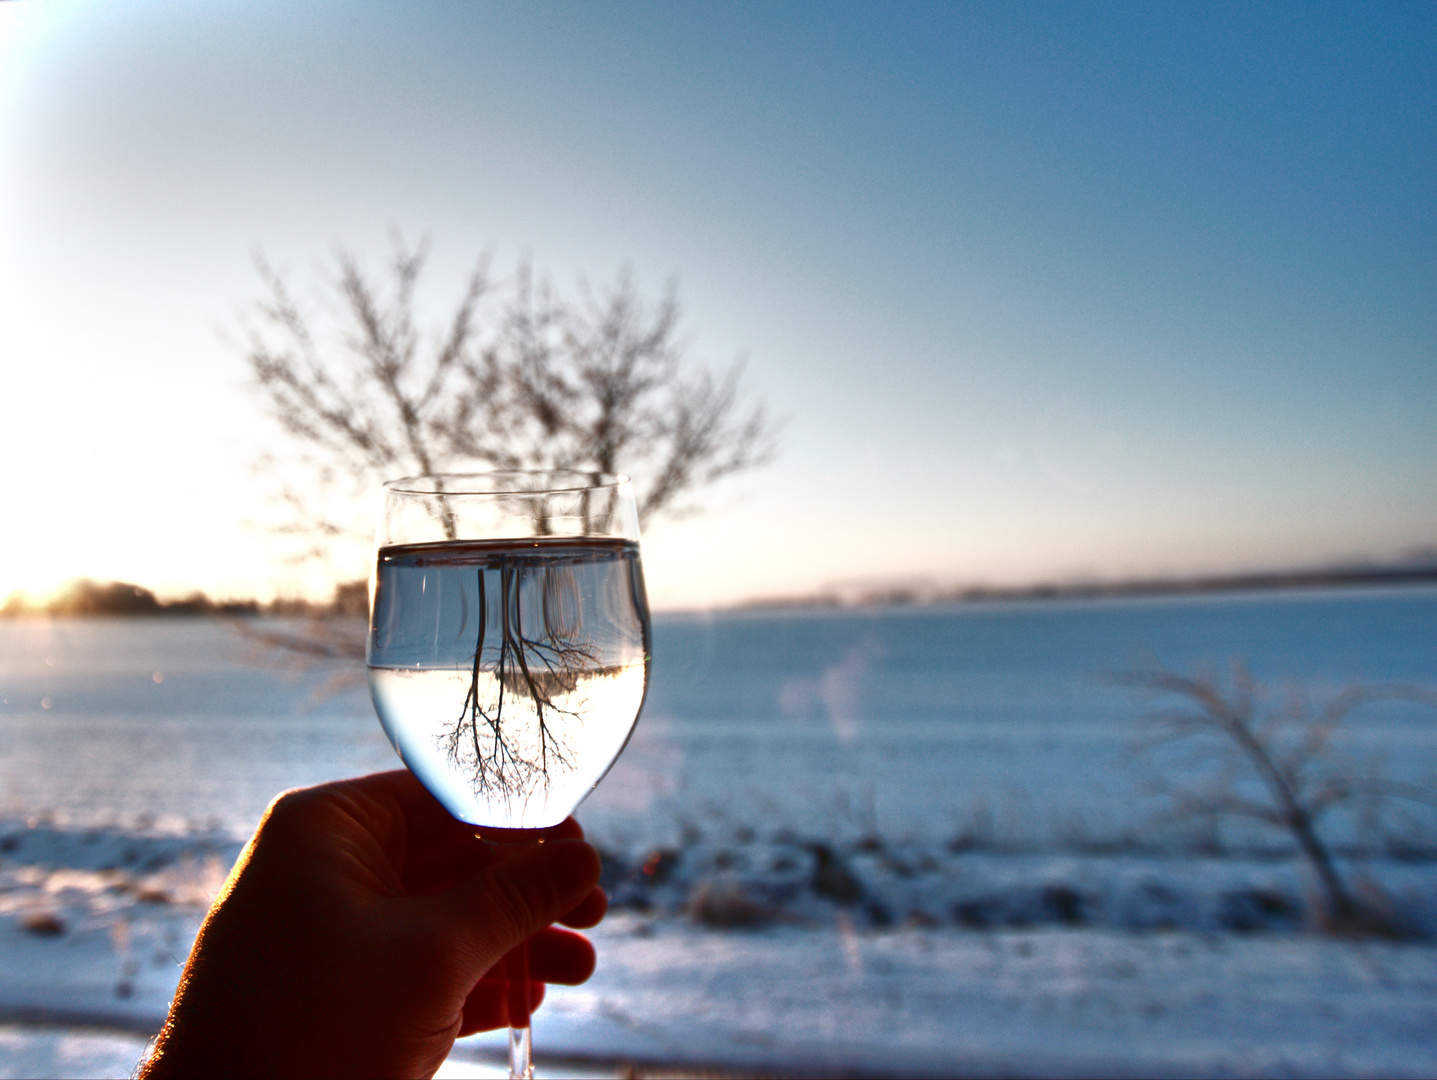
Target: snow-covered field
[[907, 843], [784, 956]]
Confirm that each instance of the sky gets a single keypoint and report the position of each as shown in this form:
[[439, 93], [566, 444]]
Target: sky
[[1041, 292]]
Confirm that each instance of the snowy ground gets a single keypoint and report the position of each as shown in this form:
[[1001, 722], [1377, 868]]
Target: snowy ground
[[858, 843], [1041, 1002], [34, 1050], [864, 961]]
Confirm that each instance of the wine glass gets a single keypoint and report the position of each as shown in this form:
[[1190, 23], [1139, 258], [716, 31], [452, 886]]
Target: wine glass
[[509, 650]]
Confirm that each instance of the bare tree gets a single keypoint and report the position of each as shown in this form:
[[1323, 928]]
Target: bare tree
[[1275, 765], [541, 665], [366, 401], [599, 383], [515, 376], [512, 375]]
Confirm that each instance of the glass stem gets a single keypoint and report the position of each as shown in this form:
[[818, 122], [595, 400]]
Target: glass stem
[[521, 1047], [521, 1054]]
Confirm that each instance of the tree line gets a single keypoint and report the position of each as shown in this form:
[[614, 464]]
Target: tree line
[[86, 597]]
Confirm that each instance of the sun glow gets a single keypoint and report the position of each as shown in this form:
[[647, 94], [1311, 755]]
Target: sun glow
[[37, 564]]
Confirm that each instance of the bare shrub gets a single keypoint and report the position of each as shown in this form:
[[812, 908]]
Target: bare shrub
[[726, 905], [1277, 765]]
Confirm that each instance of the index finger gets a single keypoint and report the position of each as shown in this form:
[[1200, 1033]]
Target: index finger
[[400, 792]]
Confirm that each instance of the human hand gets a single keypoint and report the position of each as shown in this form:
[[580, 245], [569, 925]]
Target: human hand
[[354, 934]]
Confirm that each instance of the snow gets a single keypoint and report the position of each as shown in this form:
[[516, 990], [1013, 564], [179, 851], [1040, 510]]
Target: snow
[[33, 1050], [1040, 1002], [867, 843], [30, 1051], [813, 984]]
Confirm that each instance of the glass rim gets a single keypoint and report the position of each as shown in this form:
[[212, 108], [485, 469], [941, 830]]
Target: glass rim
[[490, 483]]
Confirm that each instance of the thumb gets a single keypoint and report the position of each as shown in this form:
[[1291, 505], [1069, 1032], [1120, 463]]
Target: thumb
[[510, 901]]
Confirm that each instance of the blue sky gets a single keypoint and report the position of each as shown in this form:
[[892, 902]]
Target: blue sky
[[1043, 291]]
